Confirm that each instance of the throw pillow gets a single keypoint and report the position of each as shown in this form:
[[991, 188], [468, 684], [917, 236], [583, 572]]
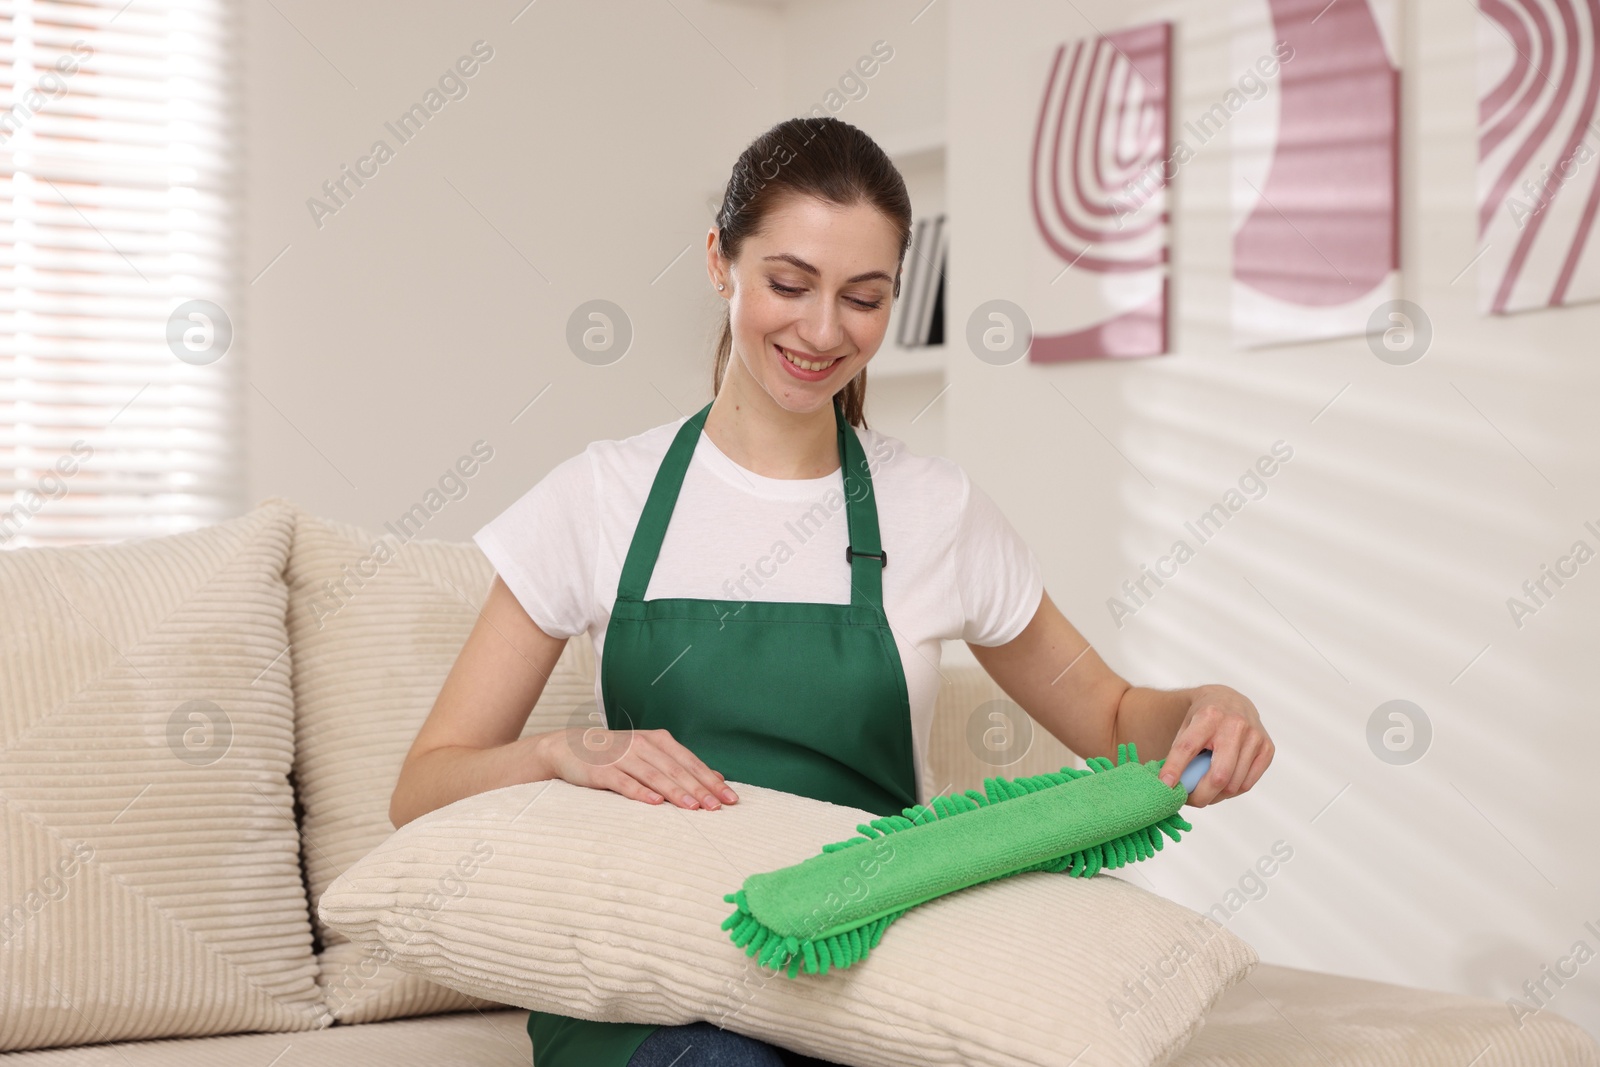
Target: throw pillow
[[151, 879], [376, 623], [579, 901]]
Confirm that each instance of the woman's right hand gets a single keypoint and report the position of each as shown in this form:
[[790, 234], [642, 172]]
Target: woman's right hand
[[645, 765]]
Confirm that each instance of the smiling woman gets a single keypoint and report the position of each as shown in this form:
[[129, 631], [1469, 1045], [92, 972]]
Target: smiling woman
[[808, 257], [821, 679]]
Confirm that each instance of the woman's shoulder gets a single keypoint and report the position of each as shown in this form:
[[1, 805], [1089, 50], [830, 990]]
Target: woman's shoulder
[[636, 452], [898, 459], [890, 459], [594, 471]]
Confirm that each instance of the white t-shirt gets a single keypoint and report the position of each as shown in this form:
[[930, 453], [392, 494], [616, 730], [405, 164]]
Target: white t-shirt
[[957, 569]]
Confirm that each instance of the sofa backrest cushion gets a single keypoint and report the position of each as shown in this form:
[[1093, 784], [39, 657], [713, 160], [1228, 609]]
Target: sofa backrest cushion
[[151, 867], [376, 623]]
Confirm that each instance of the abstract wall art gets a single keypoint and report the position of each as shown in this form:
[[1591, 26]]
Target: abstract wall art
[[1315, 167], [1097, 194], [1538, 154]]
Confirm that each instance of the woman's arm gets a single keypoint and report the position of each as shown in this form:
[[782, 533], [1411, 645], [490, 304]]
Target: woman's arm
[[1054, 674], [471, 741]]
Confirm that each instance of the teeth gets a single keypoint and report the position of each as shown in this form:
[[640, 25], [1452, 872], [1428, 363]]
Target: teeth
[[804, 364]]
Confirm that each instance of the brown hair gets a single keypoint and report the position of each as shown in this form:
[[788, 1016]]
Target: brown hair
[[822, 157]]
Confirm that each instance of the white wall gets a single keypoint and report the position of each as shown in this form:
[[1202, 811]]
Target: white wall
[[413, 323], [1376, 567], [429, 311]]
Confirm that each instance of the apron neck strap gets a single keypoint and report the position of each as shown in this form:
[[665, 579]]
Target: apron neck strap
[[864, 551]]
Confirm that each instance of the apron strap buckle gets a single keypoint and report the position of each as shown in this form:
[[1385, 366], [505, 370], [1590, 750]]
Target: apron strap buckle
[[883, 556]]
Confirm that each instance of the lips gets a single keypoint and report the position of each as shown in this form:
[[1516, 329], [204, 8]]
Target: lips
[[808, 363]]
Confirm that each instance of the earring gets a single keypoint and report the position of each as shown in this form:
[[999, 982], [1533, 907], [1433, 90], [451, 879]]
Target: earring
[[719, 285]]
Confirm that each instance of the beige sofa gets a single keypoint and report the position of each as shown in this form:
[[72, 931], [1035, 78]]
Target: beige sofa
[[199, 732]]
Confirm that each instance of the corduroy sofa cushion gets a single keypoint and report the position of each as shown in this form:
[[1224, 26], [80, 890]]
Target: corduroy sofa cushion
[[582, 902], [151, 868], [376, 624]]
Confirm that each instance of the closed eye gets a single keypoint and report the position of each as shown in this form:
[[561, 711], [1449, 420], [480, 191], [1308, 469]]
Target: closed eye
[[789, 291]]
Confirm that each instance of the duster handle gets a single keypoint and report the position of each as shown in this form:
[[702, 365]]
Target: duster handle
[[1196, 770]]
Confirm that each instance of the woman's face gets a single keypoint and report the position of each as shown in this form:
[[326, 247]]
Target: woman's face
[[816, 284]]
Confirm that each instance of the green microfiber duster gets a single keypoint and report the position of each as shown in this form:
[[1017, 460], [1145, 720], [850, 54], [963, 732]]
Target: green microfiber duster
[[832, 909]]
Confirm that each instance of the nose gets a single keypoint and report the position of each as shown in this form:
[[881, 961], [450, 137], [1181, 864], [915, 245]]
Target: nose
[[820, 328]]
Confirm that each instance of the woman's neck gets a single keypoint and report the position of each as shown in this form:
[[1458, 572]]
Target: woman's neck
[[750, 428]]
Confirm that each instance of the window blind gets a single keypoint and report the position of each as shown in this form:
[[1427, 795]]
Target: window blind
[[120, 404]]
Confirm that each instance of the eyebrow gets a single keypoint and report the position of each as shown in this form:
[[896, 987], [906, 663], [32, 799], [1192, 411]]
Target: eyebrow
[[796, 261]]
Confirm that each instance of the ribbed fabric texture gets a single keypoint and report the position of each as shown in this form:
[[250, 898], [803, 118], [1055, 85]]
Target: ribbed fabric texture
[[1327, 1019], [585, 903], [466, 1039], [374, 638], [151, 867], [1285, 1017]]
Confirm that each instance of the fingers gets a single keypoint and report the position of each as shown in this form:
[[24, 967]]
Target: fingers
[[1184, 749], [1221, 735], [1241, 770], [712, 784], [620, 781], [616, 760], [1215, 780], [662, 771], [1262, 762], [1224, 721], [653, 766], [1237, 763]]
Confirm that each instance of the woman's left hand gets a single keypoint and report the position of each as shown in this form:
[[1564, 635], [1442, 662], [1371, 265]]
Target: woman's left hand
[[1223, 720]]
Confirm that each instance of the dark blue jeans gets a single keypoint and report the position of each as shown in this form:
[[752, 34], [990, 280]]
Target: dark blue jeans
[[703, 1044]]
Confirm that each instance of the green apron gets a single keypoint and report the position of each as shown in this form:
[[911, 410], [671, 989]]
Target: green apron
[[803, 697]]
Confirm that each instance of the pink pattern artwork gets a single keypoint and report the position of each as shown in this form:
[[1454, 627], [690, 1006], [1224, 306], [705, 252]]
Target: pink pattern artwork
[[1315, 158], [1098, 196], [1538, 142]]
